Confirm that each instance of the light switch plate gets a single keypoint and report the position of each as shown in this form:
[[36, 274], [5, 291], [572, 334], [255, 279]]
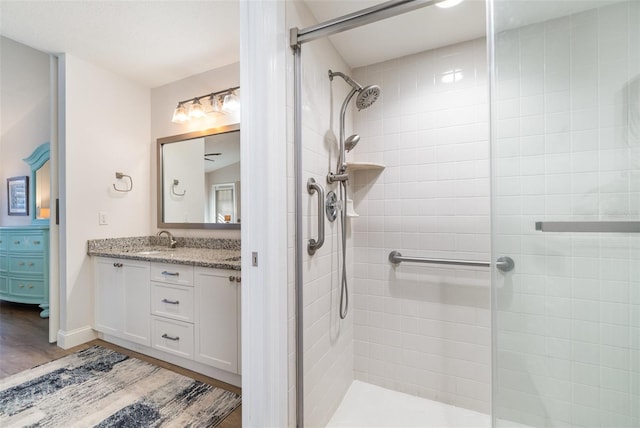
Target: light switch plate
[[103, 219]]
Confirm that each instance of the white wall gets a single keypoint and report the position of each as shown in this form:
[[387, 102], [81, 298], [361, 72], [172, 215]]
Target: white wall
[[24, 114], [567, 148], [104, 129], [179, 161], [328, 340], [420, 329], [163, 102]]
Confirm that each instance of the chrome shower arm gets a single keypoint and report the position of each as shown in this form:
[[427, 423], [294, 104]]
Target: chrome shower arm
[[355, 85]]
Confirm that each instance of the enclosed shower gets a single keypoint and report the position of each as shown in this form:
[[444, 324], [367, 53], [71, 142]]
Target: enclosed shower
[[487, 270]]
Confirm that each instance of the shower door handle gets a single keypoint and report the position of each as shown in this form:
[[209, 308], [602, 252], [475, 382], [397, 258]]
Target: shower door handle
[[313, 245]]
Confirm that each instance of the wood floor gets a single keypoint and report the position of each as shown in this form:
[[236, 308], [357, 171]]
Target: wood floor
[[24, 344]]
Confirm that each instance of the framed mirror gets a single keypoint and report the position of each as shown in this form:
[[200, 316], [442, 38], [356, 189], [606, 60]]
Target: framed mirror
[[199, 179], [40, 184]]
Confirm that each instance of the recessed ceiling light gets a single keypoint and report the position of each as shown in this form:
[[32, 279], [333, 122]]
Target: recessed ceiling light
[[448, 3]]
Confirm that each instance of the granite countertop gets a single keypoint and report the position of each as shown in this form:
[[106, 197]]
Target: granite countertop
[[211, 253]]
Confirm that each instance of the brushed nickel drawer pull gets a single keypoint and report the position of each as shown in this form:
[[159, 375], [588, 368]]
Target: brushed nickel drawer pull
[[166, 336], [21, 286], [36, 242], [16, 242], [30, 286], [171, 302], [170, 273], [31, 263], [20, 263]]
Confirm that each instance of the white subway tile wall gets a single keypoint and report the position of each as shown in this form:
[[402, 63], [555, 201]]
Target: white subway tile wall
[[567, 147], [425, 329]]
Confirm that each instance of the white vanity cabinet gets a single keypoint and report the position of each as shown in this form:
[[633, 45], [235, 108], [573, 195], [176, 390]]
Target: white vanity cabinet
[[122, 292], [183, 311], [218, 318]]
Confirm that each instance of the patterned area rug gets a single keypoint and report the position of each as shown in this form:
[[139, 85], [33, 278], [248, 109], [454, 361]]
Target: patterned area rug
[[98, 387]]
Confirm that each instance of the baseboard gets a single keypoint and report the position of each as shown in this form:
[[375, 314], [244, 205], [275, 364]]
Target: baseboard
[[78, 336]]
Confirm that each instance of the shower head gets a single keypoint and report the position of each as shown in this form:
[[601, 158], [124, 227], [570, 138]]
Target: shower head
[[351, 142], [367, 96]]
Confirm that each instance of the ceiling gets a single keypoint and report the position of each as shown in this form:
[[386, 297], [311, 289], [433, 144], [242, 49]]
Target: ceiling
[[158, 42], [151, 42]]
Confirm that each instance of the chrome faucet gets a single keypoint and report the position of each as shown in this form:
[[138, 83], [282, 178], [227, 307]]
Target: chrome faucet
[[172, 241]]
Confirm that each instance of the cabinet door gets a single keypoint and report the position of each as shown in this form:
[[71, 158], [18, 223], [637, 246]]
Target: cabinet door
[[108, 296], [217, 318], [137, 298], [122, 305]]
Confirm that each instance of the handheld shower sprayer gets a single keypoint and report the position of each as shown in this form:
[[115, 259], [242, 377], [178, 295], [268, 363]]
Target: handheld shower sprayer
[[351, 142]]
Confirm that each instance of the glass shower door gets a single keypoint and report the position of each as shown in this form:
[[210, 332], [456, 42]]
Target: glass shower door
[[566, 208]]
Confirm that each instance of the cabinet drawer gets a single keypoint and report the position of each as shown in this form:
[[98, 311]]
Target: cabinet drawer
[[172, 274], [26, 242], [172, 301], [26, 288], [172, 336], [3, 242], [28, 265]]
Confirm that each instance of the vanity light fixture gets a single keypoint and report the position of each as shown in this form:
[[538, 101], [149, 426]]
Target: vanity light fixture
[[196, 110], [231, 102], [180, 114], [220, 102]]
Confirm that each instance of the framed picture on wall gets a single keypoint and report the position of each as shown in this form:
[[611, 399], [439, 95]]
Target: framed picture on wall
[[18, 195]]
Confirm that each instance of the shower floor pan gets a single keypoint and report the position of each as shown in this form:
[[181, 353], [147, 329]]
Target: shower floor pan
[[366, 405]]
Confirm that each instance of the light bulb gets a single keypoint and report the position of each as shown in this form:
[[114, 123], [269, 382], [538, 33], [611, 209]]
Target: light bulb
[[231, 102], [180, 114], [215, 104], [196, 110]]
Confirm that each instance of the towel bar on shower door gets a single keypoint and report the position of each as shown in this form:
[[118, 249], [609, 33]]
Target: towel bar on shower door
[[504, 264], [589, 226]]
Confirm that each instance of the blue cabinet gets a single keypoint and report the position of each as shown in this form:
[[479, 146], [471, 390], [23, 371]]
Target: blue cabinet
[[24, 265]]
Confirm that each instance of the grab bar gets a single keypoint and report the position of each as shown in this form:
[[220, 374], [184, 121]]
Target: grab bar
[[589, 226], [504, 264], [314, 245]]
